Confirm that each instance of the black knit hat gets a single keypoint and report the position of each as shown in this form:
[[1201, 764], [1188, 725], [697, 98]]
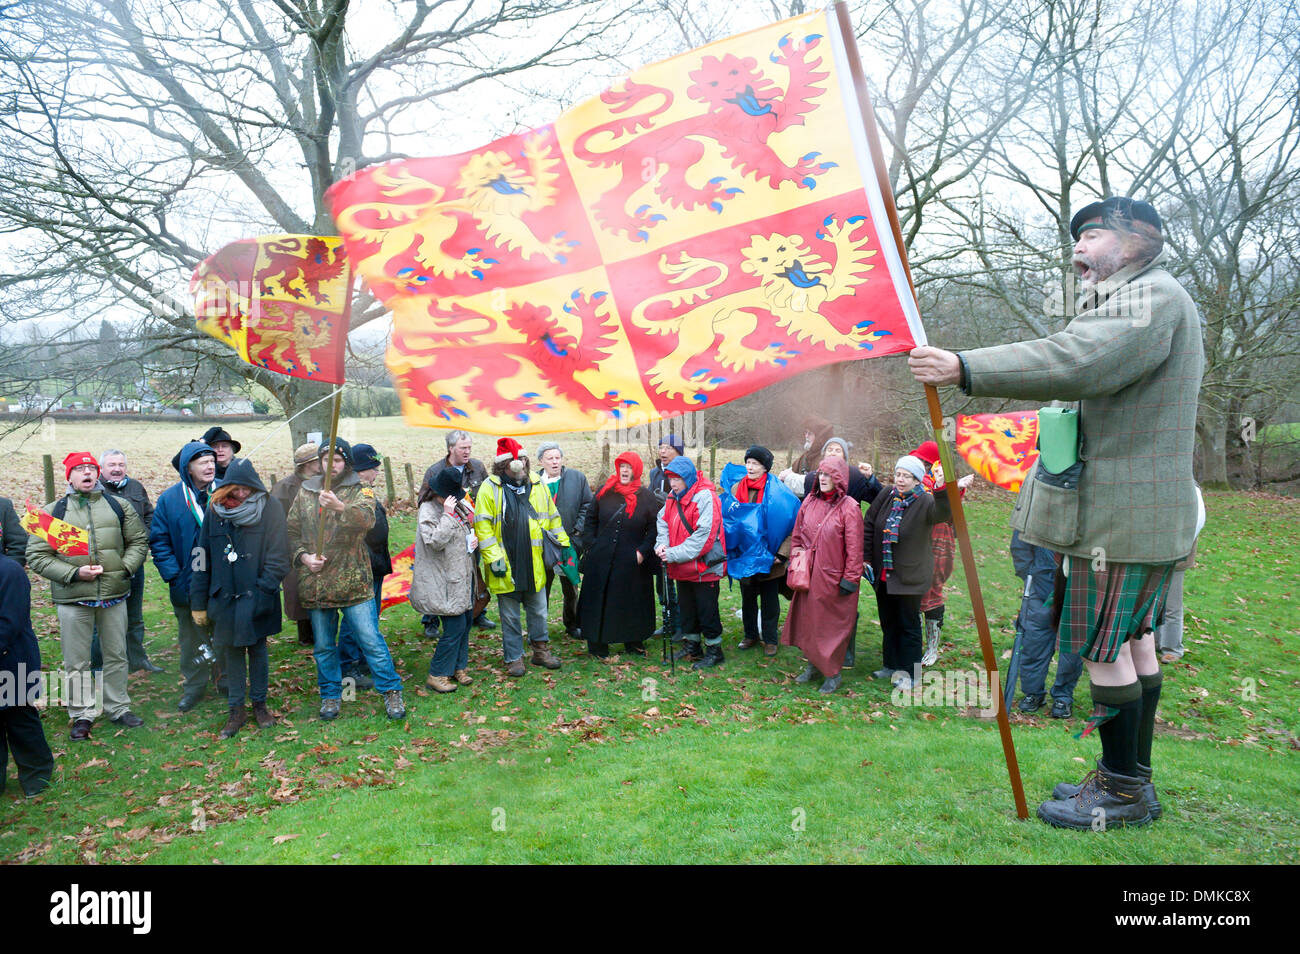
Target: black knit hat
[[340, 445], [760, 454], [364, 457], [448, 484]]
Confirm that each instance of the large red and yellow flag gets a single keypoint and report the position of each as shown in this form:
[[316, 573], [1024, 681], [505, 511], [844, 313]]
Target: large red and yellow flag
[[708, 226], [281, 301], [1001, 448], [62, 536]]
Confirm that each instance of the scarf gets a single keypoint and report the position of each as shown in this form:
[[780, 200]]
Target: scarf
[[196, 502], [629, 490], [247, 513], [745, 486], [896, 510]]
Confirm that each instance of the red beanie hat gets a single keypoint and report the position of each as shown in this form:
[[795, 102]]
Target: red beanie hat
[[76, 459], [928, 452], [508, 449]]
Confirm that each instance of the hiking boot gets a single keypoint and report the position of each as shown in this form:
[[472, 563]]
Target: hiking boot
[[516, 668], [1032, 703], [932, 627], [263, 715], [831, 684], [234, 722], [441, 684], [542, 655], [712, 657], [329, 709], [1105, 799], [394, 707], [1065, 790], [690, 650], [807, 674], [81, 730], [462, 677]]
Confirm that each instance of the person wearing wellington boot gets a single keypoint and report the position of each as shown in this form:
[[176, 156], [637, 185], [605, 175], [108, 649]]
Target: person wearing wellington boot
[[690, 541], [1125, 511], [241, 556], [442, 578], [512, 512]]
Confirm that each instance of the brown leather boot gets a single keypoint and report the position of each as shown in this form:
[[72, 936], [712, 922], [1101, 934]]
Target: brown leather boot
[[263, 715], [1105, 800], [238, 716], [542, 655]]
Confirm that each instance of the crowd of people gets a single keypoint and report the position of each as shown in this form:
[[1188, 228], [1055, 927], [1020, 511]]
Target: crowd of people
[[634, 559]]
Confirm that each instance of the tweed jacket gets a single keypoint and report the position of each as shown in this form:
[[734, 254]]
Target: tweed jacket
[[1132, 358]]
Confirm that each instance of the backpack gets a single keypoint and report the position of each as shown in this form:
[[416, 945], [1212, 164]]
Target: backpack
[[61, 510]]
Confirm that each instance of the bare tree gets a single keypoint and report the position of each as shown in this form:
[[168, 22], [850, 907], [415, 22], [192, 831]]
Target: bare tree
[[137, 137]]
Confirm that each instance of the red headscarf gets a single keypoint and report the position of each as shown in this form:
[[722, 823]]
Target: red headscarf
[[627, 490]]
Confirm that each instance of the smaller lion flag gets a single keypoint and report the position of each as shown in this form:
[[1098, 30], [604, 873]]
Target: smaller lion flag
[[283, 303], [396, 587], [1002, 447], [59, 534]]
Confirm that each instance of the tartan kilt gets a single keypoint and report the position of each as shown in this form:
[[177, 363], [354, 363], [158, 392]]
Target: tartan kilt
[[1103, 609], [944, 544]]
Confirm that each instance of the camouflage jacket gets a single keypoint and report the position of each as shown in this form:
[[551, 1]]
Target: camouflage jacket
[[346, 578]]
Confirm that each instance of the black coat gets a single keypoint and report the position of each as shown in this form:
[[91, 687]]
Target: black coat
[[617, 602], [242, 598], [381, 564], [18, 644], [15, 537], [913, 559]]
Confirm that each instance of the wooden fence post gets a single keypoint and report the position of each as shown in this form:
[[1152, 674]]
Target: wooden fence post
[[388, 481], [48, 462]]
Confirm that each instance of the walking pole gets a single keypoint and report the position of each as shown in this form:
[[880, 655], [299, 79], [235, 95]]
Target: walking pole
[[850, 47], [328, 471]]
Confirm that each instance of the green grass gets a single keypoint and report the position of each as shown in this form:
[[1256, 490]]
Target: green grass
[[592, 763]]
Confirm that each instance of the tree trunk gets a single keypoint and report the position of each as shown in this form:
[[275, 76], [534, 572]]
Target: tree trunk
[[1212, 434], [295, 394]]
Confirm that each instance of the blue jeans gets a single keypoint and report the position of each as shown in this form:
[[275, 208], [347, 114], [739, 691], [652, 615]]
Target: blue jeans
[[324, 626], [349, 651], [1039, 639], [452, 653], [512, 635]]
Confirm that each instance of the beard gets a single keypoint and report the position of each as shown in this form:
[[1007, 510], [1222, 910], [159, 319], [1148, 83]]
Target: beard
[[1097, 267]]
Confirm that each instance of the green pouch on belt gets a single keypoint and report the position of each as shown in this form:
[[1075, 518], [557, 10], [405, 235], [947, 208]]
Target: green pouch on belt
[[1058, 438]]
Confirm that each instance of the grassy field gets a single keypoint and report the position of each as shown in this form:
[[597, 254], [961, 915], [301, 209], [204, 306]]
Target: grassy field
[[622, 761]]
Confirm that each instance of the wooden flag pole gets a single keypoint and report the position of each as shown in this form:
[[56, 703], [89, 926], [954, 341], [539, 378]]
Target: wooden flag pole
[[936, 420], [328, 471]]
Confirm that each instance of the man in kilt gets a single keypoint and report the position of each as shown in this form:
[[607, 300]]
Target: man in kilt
[[1126, 511]]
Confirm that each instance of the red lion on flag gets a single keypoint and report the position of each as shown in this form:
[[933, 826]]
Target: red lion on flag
[[743, 108]]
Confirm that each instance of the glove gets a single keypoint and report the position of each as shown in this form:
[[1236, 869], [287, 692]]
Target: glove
[[499, 568], [569, 566], [200, 617], [846, 587]]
